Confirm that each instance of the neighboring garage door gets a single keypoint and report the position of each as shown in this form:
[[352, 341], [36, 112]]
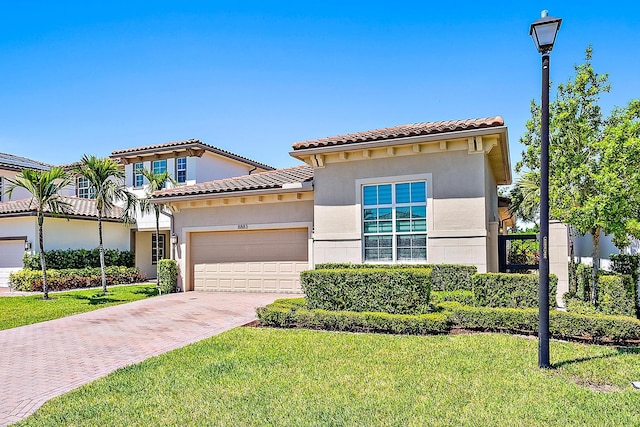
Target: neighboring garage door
[[11, 252], [249, 260]]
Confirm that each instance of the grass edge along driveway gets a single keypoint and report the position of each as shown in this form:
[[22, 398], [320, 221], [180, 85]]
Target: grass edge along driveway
[[26, 310], [255, 376]]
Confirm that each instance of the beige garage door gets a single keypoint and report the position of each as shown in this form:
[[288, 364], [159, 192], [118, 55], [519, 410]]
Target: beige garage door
[[11, 252], [249, 260]]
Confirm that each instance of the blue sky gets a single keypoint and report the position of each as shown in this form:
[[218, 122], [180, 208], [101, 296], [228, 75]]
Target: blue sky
[[82, 77]]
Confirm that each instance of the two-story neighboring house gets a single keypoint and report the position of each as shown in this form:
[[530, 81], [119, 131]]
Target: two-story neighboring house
[[18, 221], [188, 162]]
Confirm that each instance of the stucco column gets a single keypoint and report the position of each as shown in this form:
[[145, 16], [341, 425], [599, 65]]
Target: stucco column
[[559, 257], [492, 248]]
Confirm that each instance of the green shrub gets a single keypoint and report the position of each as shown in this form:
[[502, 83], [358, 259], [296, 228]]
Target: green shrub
[[626, 264], [616, 295], [510, 290], [494, 319], [444, 277], [577, 306], [596, 328], [284, 314], [399, 291], [463, 297], [78, 258], [168, 275], [59, 280], [583, 282], [562, 325]]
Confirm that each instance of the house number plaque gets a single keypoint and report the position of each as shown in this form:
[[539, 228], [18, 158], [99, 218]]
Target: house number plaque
[[243, 226]]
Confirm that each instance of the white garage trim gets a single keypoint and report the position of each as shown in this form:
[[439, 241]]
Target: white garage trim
[[250, 275]]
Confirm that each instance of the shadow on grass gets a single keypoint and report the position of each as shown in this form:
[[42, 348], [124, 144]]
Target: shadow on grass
[[96, 299], [619, 351], [149, 291]]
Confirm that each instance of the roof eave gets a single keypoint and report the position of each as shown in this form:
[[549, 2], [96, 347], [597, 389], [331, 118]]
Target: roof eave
[[301, 153], [235, 193]]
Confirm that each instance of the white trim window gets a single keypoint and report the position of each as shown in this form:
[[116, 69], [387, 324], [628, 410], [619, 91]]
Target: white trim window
[[84, 190], [181, 170], [395, 222], [161, 248], [1, 189], [158, 167], [138, 178]]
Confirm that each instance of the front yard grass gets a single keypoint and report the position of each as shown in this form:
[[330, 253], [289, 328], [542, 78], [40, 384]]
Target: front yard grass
[[255, 377], [19, 311]]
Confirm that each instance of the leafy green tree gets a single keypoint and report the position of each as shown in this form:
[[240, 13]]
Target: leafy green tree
[[106, 182], [525, 197], [156, 181], [589, 178], [44, 187]]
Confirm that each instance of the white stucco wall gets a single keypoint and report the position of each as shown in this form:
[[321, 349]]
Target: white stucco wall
[[60, 233], [18, 193]]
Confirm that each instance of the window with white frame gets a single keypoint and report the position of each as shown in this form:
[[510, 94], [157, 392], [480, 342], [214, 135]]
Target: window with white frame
[[138, 178], [160, 248], [1, 189], [395, 222], [84, 190], [158, 167], [181, 170]]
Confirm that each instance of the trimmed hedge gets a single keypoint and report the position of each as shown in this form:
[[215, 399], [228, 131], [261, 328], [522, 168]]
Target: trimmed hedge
[[288, 315], [510, 290], [168, 275], [78, 258], [616, 295], [463, 297], [592, 328], [60, 280], [444, 277], [398, 291]]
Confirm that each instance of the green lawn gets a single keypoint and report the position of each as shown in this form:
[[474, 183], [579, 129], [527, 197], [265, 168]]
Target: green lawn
[[255, 377], [19, 311]]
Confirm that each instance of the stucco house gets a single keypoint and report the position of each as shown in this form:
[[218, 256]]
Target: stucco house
[[188, 162], [421, 193], [19, 227]]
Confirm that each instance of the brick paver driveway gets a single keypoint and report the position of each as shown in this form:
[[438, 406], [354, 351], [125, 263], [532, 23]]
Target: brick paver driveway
[[41, 361]]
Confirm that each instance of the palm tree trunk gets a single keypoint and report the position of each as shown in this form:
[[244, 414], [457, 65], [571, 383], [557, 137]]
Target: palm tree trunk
[[595, 236], [101, 250], [43, 262], [157, 211]]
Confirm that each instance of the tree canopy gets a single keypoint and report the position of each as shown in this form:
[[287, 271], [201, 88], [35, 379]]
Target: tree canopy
[[594, 161]]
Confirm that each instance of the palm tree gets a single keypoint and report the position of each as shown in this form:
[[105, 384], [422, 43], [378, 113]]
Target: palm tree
[[157, 181], [106, 181], [44, 187]]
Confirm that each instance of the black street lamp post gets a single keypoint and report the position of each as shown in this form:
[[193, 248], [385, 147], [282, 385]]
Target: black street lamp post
[[544, 31]]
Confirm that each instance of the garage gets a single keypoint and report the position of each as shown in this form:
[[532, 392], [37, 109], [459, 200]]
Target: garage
[[11, 252], [249, 260]]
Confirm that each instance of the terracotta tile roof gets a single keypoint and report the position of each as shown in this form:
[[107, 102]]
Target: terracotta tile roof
[[403, 131], [79, 208], [189, 143], [260, 181], [18, 163]]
